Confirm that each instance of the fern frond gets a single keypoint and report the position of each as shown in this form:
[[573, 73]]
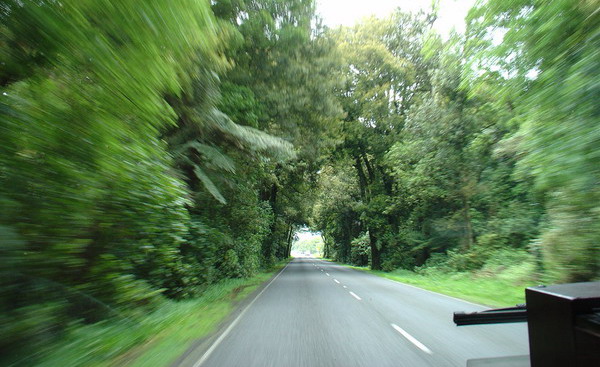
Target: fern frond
[[208, 184], [253, 138], [211, 154]]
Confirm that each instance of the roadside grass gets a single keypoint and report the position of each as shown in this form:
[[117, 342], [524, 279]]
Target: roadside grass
[[493, 287], [156, 339]]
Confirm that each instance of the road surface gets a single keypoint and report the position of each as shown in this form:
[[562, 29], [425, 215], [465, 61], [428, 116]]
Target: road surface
[[315, 313]]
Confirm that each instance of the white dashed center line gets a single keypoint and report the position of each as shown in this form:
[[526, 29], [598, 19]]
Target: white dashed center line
[[327, 274], [337, 281], [344, 287], [411, 339], [355, 296]]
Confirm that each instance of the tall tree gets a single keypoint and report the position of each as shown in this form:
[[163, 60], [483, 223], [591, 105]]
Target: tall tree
[[548, 56], [86, 183], [285, 65], [385, 72]]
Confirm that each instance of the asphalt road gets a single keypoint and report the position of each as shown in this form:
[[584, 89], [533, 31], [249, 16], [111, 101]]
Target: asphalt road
[[315, 313]]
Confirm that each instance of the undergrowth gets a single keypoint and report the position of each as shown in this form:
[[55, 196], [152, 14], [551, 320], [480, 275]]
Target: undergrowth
[[499, 282], [155, 339]]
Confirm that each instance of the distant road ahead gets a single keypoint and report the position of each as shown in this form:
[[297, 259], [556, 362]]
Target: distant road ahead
[[315, 313]]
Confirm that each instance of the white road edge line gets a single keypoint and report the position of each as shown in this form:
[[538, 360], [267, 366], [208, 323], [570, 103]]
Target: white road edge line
[[411, 339], [337, 281], [232, 325], [427, 290], [355, 296]]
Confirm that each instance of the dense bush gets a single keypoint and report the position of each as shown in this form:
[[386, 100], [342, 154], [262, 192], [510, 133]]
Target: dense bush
[[361, 250], [126, 176], [453, 152]]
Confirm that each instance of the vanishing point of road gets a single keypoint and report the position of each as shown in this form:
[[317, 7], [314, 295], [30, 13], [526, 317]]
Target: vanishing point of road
[[316, 313]]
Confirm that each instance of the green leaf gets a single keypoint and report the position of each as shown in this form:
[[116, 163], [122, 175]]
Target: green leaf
[[212, 154], [210, 186]]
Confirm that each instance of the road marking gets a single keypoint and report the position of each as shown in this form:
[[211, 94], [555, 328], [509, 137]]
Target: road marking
[[411, 339], [355, 296], [344, 287], [428, 291], [321, 269], [327, 274], [232, 325], [337, 281]]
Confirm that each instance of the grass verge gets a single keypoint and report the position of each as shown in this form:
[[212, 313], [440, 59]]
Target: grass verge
[[501, 289], [158, 338]]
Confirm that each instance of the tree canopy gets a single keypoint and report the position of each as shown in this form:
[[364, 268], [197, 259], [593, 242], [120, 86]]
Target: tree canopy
[[150, 149]]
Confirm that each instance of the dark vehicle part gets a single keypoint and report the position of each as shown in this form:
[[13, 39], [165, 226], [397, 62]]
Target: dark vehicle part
[[493, 316], [563, 321]]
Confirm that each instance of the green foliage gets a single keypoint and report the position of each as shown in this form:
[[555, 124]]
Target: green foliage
[[466, 148], [360, 252], [91, 199], [281, 82], [156, 338], [311, 245], [336, 211], [230, 266], [117, 137], [556, 45], [241, 105], [383, 68], [151, 149], [503, 290]]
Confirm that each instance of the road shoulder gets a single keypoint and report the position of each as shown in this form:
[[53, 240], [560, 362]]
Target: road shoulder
[[201, 346]]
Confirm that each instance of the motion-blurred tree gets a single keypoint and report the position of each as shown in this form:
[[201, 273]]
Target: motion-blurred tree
[[549, 58]]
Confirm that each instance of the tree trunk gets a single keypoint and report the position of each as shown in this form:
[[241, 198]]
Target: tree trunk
[[468, 239], [269, 241], [369, 168], [375, 253], [326, 251], [362, 179], [289, 240]]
